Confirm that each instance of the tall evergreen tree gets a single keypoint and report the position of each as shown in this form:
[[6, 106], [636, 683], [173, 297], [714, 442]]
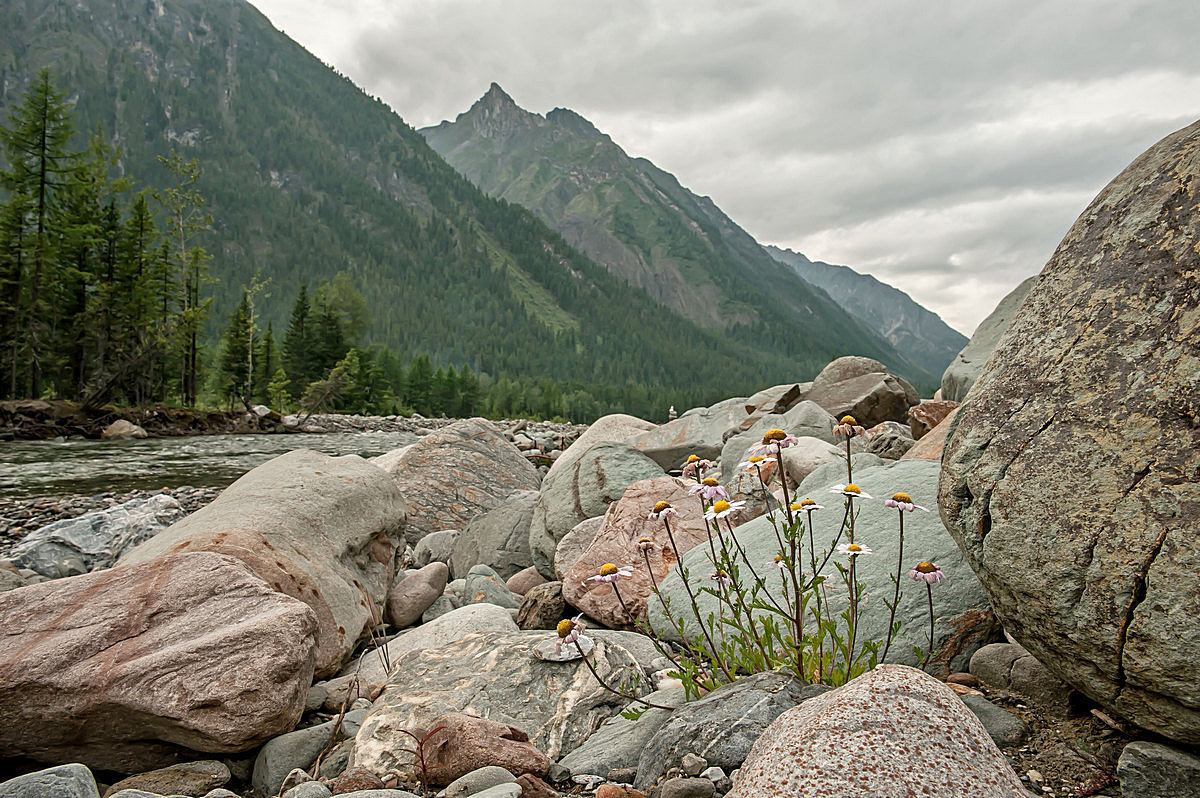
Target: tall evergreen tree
[[234, 371], [298, 359]]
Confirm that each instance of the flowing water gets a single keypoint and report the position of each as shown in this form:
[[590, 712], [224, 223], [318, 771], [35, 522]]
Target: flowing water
[[52, 469]]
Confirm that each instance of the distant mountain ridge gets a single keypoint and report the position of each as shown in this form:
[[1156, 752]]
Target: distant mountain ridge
[[915, 330], [640, 222]]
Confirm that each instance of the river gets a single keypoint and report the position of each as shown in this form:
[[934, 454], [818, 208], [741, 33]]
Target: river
[[35, 469]]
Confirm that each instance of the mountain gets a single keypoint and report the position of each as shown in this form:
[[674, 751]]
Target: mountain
[[638, 220], [919, 333], [306, 177]]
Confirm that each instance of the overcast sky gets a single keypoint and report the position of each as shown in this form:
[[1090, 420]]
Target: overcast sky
[[945, 147]]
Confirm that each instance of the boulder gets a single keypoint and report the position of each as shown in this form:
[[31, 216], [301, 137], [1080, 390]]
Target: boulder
[[723, 725], [444, 629], [122, 430], [891, 731], [435, 547], [870, 397], [1006, 729], [413, 594], [924, 417], [807, 455], [485, 585], [542, 607], [189, 778], [625, 524], [1008, 666], [1152, 770], [702, 433], [959, 601], [457, 473], [777, 398], [298, 749], [889, 440], [804, 420], [318, 528], [614, 428], [499, 538], [619, 741], [574, 544], [582, 491], [524, 580], [129, 668], [63, 781], [931, 444], [460, 743], [1072, 477], [962, 372], [495, 676], [97, 538]]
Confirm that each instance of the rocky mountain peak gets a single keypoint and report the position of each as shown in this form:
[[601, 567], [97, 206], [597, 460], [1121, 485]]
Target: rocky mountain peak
[[568, 119], [496, 115]]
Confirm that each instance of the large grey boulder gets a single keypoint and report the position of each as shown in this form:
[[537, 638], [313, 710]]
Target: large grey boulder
[[962, 372], [959, 601], [574, 544], [804, 420], [321, 529], [132, 667], [619, 742], [891, 731], [457, 473], [63, 781], [96, 539], [865, 389], [701, 433], [613, 428], [1070, 477], [499, 538], [495, 676], [721, 726], [582, 491], [1151, 770]]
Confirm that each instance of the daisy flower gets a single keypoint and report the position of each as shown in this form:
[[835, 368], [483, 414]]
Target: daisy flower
[[569, 630], [848, 427], [780, 563], [722, 508], [807, 505], [754, 462], [611, 573], [720, 577], [851, 490], [927, 572], [854, 549], [903, 502], [695, 467], [662, 510], [773, 438], [710, 489], [645, 545]]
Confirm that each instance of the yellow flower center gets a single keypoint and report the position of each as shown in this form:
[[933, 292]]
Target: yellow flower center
[[774, 435], [693, 458], [756, 458], [721, 575], [720, 506], [709, 481], [902, 497], [608, 569], [807, 503], [564, 627], [854, 547], [660, 506], [797, 506], [851, 420], [852, 488], [778, 558], [926, 567]]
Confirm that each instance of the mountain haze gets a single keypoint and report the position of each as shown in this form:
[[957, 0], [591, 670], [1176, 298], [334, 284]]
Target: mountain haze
[[916, 331], [638, 220]]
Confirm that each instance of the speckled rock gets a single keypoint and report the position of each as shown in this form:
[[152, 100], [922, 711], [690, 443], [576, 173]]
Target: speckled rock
[[582, 491], [933, 442], [1151, 770], [1072, 477], [924, 417], [494, 676], [413, 594], [123, 669], [189, 778], [320, 529], [498, 538], [624, 525], [892, 731], [960, 375], [63, 781], [457, 473]]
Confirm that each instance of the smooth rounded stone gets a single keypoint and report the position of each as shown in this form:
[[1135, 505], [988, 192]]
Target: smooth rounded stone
[[496, 676], [458, 473], [924, 417], [962, 372], [317, 695], [582, 491], [413, 594], [1008, 666], [498, 538], [542, 607], [960, 604], [550, 651], [445, 629], [702, 433], [97, 538], [619, 741], [320, 529], [435, 547], [63, 781], [687, 787], [521, 582], [1005, 728], [808, 455], [1070, 479], [626, 523], [486, 586], [817, 484], [122, 668], [10, 580], [722, 725], [890, 444], [713, 774], [287, 752], [478, 780], [613, 428], [337, 760], [575, 543], [512, 790], [804, 420], [309, 789], [188, 778], [221, 792], [1152, 770], [691, 764], [441, 606], [892, 731], [122, 430], [933, 442]]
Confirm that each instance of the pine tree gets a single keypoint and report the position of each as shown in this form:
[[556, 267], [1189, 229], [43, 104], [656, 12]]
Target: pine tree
[[233, 373], [298, 342]]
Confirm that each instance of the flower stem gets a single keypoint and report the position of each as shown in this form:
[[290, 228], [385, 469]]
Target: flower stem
[[896, 596], [613, 690], [716, 654], [929, 653]]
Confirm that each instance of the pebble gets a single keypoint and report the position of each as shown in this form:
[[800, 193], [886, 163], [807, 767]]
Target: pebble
[[689, 787], [692, 765]]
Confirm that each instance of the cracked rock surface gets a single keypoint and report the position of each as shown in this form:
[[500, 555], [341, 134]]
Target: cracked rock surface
[[1072, 477]]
